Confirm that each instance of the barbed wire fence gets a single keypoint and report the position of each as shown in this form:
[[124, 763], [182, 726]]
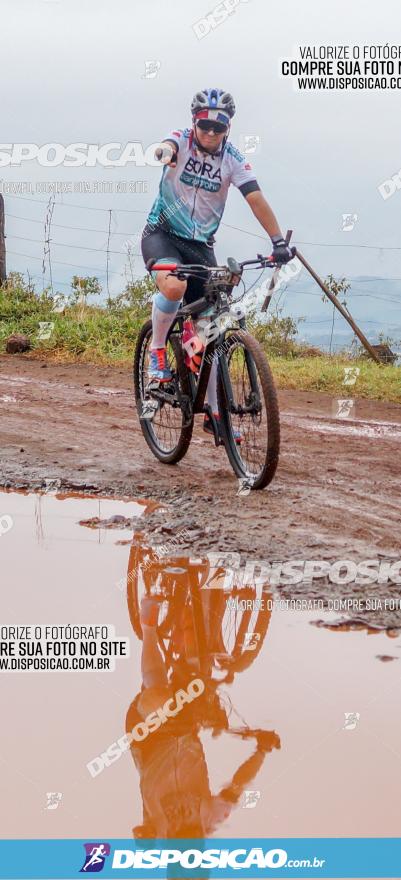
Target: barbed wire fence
[[3, 273], [127, 253], [108, 258], [46, 246]]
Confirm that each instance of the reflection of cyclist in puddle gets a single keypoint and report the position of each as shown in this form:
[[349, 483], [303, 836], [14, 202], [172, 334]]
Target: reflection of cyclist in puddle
[[176, 795]]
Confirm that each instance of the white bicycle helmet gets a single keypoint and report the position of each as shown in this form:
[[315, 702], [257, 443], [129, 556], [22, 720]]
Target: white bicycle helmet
[[213, 99]]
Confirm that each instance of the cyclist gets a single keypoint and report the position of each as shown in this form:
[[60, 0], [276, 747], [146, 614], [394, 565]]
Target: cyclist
[[200, 163], [174, 781]]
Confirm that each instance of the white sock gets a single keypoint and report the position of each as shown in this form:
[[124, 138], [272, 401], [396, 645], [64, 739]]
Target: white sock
[[163, 313], [211, 391]]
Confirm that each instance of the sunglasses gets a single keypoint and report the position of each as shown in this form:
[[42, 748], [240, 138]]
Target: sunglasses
[[217, 127]]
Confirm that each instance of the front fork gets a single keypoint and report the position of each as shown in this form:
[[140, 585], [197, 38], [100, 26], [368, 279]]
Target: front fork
[[228, 390]]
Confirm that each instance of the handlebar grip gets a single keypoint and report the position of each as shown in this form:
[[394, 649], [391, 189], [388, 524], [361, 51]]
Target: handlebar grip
[[161, 267]]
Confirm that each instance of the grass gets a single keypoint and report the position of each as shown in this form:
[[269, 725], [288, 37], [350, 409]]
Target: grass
[[99, 335], [325, 373]]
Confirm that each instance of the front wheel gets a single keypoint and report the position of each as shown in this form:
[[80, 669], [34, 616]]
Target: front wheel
[[249, 411]]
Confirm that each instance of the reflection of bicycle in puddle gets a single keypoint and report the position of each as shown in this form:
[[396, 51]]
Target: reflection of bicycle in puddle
[[191, 636], [215, 623]]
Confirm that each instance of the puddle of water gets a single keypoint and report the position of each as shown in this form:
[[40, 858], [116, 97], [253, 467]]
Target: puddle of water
[[45, 518], [43, 383], [26, 380], [110, 391], [297, 736], [346, 427]]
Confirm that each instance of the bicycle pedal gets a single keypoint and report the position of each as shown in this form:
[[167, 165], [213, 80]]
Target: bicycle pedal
[[149, 410]]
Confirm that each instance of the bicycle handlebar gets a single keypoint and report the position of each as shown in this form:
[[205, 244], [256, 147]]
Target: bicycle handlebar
[[197, 269]]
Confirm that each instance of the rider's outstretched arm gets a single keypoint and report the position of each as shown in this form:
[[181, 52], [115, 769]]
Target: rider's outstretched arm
[[267, 740], [242, 777], [222, 804]]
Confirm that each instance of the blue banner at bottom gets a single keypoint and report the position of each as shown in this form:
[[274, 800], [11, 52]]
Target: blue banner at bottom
[[218, 858]]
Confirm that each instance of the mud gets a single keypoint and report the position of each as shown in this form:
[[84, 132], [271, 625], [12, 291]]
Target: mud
[[336, 494]]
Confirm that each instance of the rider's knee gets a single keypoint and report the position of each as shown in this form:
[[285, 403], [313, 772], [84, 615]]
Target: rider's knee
[[170, 286]]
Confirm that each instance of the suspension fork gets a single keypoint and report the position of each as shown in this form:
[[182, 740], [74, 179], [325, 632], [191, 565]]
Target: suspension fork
[[252, 372], [226, 375]]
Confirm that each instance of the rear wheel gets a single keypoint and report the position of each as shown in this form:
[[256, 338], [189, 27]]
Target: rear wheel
[[169, 433], [253, 411]]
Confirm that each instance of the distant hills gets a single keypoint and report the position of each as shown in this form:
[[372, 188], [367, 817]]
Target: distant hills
[[374, 303]]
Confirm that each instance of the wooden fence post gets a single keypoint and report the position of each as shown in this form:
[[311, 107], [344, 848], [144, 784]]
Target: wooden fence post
[[3, 274]]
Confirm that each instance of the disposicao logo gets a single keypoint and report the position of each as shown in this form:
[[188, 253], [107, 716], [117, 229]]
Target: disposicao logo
[[95, 856]]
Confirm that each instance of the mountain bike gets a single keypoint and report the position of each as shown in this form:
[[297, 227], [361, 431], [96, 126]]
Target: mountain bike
[[173, 768], [229, 624], [247, 399]]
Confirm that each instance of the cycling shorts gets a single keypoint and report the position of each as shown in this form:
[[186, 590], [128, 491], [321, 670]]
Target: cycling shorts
[[162, 244]]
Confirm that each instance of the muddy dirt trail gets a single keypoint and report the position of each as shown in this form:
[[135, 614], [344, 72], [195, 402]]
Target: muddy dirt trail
[[336, 494]]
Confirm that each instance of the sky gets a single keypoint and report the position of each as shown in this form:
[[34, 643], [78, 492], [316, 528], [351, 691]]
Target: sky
[[75, 72]]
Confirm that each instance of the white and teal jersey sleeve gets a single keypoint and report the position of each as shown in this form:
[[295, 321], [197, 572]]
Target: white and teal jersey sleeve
[[192, 195]]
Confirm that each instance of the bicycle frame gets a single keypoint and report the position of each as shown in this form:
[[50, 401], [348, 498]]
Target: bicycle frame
[[200, 382]]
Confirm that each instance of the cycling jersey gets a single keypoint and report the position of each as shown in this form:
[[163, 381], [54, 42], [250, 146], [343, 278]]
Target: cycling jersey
[[192, 195]]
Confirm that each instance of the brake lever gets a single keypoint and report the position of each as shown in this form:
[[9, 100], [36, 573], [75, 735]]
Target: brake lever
[[266, 261]]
